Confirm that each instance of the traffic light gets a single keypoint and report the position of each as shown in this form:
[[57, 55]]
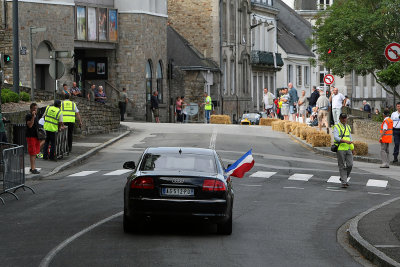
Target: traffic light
[[330, 51], [7, 59]]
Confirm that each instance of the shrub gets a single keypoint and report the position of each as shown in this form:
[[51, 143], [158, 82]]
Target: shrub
[[14, 97], [24, 96], [5, 98]]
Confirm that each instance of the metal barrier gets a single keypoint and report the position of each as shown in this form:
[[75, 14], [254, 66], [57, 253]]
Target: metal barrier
[[19, 136], [62, 143], [12, 166]]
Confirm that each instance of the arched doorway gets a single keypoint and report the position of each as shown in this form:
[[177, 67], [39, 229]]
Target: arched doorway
[[42, 63], [149, 86]]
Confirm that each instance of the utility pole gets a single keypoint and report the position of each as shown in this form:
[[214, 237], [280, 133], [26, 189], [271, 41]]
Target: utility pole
[[15, 47]]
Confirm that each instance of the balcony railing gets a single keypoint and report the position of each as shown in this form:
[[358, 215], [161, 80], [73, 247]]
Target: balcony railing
[[265, 59]]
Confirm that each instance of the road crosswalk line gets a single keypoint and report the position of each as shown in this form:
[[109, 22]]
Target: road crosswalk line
[[83, 173], [335, 180], [377, 183], [300, 177], [117, 172], [260, 174]]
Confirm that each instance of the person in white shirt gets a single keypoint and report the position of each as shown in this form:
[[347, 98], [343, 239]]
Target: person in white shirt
[[337, 100], [268, 100], [396, 132], [347, 101]]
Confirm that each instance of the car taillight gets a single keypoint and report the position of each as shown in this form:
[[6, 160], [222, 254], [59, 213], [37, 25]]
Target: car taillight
[[143, 183], [213, 185]]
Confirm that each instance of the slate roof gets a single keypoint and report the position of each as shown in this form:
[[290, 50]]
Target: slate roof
[[288, 41], [184, 55]]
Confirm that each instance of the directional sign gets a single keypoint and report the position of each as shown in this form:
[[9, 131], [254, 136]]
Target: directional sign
[[329, 79], [392, 52], [60, 69]]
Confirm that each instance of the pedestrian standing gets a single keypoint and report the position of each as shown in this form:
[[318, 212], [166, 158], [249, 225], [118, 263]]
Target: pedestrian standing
[[303, 105], [342, 138], [123, 100], [294, 97], [69, 112], [75, 91], [347, 102], [184, 109], [100, 96], [366, 106], [91, 93], [154, 106], [337, 100], [386, 138], [268, 100], [178, 109], [313, 98], [285, 98], [323, 107], [3, 134], [207, 107], [396, 132], [32, 140], [53, 122]]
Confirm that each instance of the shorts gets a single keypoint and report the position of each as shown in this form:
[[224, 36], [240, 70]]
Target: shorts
[[322, 114], [292, 109], [156, 113], [285, 110], [269, 111], [33, 146]]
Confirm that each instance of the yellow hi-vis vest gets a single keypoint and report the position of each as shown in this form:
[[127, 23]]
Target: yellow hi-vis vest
[[208, 105], [345, 132], [68, 111], [51, 118]]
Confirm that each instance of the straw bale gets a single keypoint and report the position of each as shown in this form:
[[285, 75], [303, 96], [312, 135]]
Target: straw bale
[[321, 140], [288, 127], [267, 121], [310, 133], [220, 119], [360, 148], [278, 126], [305, 131]]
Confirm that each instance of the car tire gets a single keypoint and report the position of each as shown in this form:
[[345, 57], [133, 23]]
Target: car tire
[[127, 224], [226, 227]]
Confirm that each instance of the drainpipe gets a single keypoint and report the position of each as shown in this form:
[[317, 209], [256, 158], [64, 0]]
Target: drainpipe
[[221, 98]]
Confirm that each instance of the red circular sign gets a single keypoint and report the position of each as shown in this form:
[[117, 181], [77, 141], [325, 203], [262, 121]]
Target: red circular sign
[[329, 79], [392, 52]]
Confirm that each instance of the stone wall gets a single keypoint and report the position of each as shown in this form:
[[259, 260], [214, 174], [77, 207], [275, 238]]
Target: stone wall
[[367, 128], [6, 48], [142, 37]]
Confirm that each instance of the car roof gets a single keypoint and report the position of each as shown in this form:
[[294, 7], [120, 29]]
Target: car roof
[[185, 150]]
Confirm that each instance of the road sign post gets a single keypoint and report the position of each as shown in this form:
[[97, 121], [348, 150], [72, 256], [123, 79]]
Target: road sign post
[[329, 79]]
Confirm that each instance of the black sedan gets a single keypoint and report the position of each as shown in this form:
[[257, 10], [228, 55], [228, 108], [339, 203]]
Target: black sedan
[[178, 183]]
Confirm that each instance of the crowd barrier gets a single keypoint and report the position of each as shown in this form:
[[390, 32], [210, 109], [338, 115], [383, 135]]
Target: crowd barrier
[[62, 143], [12, 167]]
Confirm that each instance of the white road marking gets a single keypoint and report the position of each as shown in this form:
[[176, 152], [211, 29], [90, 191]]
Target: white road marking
[[300, 177], [292, 187], [377, 183], [213, 138], [83, 173], [87, 144], [335, 180], [250, 184], [117, 172], [28, 168], [335, 190], [387, 246], [263, 174], [46, 261], [382, 194]]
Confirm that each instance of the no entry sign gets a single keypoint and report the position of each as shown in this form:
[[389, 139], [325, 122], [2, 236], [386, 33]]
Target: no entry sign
[[329, 79], [392, 52]]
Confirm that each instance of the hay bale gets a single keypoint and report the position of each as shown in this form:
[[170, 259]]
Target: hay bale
[[321, 140], [278, 126], [220, 119], [299, 129], [288, 127], [267, 121], [360, 148], [310, 133], [304, 131]]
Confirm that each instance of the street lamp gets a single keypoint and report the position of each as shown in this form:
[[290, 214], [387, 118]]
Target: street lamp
[[33, 30]]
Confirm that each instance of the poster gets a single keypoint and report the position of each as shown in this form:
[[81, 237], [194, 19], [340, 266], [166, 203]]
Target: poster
[[102, 15], [81, 23], [101, 68], [113, 25], [91, 66], [92, 25]]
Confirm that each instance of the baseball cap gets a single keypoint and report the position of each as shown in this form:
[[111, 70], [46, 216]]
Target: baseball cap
[[343, 115]]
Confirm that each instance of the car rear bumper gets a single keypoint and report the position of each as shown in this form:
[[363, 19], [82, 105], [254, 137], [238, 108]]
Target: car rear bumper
[[215, 210]]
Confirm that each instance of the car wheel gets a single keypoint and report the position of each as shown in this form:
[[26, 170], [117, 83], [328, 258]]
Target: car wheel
[[226, 227], [128, 226]]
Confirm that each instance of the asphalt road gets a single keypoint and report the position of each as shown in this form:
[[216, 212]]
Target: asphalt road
[[285, 211]]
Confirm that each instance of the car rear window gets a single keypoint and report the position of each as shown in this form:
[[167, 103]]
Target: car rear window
[[174, 162]]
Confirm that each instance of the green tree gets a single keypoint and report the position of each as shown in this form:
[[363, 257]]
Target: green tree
[[357, 33]]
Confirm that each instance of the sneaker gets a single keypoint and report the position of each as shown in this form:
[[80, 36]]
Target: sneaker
[[34, 171], [39, 156], [384, 166], [395, 160]]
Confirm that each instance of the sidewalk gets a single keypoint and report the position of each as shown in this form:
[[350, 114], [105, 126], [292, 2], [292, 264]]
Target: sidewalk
[[83, 147], [375, 233]]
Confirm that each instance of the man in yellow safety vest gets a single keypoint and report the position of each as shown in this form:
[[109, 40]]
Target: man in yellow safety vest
[[342, 139], [207, 107], [70, 112], [53, 121]]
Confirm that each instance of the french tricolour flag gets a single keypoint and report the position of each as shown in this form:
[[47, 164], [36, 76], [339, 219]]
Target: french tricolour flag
[[241, 166]]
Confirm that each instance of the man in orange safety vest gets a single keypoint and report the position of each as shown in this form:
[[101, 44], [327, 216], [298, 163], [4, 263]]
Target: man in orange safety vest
[[386, 138]]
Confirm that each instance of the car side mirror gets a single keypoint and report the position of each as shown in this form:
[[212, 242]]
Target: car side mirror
[[129, 165], [229, 165]]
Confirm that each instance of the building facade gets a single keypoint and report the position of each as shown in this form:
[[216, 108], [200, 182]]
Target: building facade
[[114, 43]]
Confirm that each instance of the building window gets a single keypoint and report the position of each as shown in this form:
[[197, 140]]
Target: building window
[[372, 80], [306, 75], [324, 4], [271, 85], [233, 76], [266, 82], [290, 73], [232, 23], [224, 22], [245, 77], [225, 77], [365, 80], [149, 78], [299, 76], [160, 81], [244, 24]]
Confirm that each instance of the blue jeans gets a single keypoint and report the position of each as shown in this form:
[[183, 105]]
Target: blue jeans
[[336, 113], [291, 108], [396, 137], [207, 115]]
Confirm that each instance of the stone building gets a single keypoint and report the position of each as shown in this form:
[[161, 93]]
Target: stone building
[[115, 43], [220, 30]]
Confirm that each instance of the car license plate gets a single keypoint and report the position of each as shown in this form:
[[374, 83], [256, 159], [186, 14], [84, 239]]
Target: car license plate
[[172, 191]]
